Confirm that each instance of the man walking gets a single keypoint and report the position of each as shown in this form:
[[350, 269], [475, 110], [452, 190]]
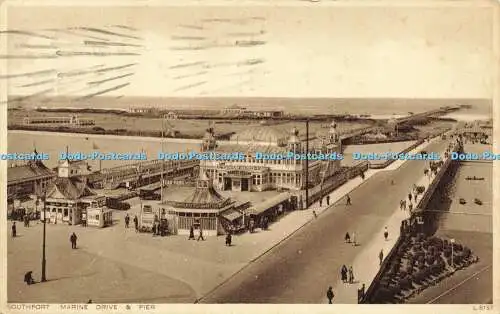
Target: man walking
[[228, 239], [191, 233], [330, 295], [73, 239], [14, 229], [328, 200], [343, 273], [347, 237], [348, 200], [320, 201], [381, 256], [136, 223], [409, 196], [386, 233], [351, 275], [127, 221], [200, 236]]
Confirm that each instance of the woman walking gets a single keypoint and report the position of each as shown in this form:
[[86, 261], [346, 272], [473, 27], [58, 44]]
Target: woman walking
[[351, 275]]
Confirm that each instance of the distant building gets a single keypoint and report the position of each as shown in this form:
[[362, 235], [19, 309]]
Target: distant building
[[267, 113], [29, 179], [253, 174], [171, 116], [73, 121], [234, 110], [143, 110]]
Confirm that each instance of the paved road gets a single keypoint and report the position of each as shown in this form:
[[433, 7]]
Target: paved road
[[300, 269]]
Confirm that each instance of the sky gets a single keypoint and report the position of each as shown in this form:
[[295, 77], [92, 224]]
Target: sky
[[252, 52]]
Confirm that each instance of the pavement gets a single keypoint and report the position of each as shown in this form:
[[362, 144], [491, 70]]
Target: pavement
[[300, 268]]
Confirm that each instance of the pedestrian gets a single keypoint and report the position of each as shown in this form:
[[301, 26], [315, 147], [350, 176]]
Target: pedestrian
[[348, 200], [386, 233], [404, 204], [347, 237], [153, 229], [343, 274], [330, 295], [127, 220], [401, 204], [410, 207], [314, 213], [381, 256], [28, 278], [228, 239], [354, 239], [200, 235], [191, 233], [14, 229], [351, 275], [73, 239], [320, 201], [136, 223], [328, 200], [409, 197]]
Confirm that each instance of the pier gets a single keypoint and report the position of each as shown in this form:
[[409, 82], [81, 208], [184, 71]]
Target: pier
[[141, 173]]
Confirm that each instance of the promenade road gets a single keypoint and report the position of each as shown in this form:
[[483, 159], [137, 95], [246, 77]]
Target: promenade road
[[300, 269]]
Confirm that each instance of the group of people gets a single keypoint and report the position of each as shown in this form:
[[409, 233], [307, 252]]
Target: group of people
[[136, 222], [347, 275], [200, 234], [327, 201]]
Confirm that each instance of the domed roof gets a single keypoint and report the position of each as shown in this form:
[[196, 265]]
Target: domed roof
[[263, 133]]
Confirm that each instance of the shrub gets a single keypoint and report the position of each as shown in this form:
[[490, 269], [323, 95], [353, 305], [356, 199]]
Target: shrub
[[419, 277], [421, 258], [420, 237], [467, 252], [447, 252], [435, 269], [384, 295], [405, 284]]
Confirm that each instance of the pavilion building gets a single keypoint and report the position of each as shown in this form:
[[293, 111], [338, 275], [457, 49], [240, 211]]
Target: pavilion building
[[204, 208], [252, 174]]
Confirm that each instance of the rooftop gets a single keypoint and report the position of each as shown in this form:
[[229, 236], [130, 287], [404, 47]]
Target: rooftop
[[30, 171], [69, 188], [263, 133]]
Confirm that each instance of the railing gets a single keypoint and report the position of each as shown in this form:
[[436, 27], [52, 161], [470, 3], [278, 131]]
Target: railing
[[335, 181]]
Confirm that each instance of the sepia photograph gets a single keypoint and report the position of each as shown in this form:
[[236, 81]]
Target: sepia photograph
[[301, 152]]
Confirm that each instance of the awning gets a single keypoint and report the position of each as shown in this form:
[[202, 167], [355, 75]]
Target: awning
[[232, 214], [262, 207]]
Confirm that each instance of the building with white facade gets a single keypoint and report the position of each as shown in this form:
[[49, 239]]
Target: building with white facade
[[253, 174]]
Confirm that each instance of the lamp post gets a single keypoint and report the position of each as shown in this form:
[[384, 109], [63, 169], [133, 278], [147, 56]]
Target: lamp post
[[44, 261], [452, 241]]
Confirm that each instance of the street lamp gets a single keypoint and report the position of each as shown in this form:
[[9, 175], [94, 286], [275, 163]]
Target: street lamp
[[44, 262], [452, 241]]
